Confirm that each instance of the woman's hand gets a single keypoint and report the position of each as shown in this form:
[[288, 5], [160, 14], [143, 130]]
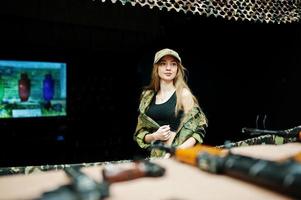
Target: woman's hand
[[163, 133]]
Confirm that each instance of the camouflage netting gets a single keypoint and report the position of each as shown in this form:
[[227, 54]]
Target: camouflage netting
[[260, 140], [274, 11], [4, 171]]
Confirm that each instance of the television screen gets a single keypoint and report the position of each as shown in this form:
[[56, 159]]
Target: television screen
[[32, 89]]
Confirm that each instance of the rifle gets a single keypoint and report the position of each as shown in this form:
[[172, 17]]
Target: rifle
[[83, 187], [261, 136], [282, 176], [294, 132]]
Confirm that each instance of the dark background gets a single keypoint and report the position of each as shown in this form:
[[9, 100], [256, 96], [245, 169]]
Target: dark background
[[238, 70]]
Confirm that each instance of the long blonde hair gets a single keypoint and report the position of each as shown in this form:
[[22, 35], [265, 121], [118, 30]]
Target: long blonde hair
[[179, 82]]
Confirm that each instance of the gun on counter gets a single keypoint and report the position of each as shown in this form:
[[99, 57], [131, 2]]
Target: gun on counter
[[282, 176], [83, 187]]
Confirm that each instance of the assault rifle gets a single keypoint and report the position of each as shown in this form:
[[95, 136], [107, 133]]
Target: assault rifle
[[264, 136], [282, 176], [83, 187], [288, 133]]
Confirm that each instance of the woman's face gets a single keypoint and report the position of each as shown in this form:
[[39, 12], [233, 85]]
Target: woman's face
[[168, 68]]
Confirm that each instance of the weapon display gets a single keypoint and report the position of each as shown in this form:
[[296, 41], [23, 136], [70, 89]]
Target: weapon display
[[282, 176], [114, 173]]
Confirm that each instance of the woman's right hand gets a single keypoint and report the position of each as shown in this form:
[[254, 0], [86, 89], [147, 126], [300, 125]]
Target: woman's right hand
[[163, 133]]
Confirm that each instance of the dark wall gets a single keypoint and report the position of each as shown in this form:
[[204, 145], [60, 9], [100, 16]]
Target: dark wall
[[237, 70]]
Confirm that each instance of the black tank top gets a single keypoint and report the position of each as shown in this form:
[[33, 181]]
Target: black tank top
[[164, 114]]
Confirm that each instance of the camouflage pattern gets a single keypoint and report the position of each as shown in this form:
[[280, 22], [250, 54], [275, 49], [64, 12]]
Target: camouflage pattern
[[42, 168], [263, 139], [192, 124]]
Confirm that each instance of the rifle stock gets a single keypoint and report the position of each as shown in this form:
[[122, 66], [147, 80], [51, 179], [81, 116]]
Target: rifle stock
[[138, 169], [190, 155]]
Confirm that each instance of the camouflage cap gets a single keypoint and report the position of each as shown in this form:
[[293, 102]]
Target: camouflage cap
[[165, 52]]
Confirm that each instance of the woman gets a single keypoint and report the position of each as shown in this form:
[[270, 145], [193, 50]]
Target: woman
[[168, 110]]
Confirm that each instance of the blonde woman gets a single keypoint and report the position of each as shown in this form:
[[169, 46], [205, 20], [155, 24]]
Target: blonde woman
[[169, 112]]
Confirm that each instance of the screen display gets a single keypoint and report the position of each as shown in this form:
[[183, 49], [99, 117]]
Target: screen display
[[32, 89]]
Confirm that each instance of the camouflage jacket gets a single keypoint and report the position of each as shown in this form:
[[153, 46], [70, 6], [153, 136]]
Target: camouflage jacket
[[192, 124]]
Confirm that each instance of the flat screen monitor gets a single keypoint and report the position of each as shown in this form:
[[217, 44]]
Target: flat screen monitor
[[32, 89]]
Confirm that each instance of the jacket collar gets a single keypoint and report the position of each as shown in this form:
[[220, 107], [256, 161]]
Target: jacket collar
[[146, 99]]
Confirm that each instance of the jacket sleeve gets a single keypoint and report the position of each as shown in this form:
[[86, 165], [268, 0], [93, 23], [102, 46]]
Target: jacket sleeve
[[199, 132], [195, 127], [140, 133], [143, 127]]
